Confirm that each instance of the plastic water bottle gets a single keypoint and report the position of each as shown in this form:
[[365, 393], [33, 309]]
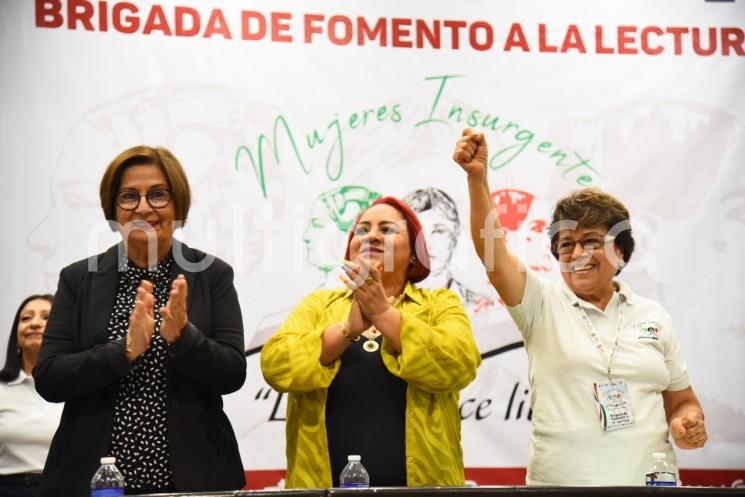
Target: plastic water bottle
[[108, 480], [354, 474], [661, 474]]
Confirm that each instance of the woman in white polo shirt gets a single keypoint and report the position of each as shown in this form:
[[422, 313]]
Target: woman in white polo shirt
[[607, 375], [27, 422]]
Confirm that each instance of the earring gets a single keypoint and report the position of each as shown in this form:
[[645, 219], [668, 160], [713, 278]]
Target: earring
[[412, 259], [621, 264], [18, 350]]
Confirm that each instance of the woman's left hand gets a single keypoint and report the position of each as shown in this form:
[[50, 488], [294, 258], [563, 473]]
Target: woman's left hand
[[174, 314], [364, 280], [688, 430]]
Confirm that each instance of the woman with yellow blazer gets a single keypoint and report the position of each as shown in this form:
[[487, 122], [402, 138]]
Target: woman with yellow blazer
[[375, 368]]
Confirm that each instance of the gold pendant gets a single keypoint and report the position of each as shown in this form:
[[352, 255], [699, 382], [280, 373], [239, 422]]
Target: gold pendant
[[370, 346]]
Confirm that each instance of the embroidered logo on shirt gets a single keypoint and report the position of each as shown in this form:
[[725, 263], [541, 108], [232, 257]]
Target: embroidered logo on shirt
[[648, 330]]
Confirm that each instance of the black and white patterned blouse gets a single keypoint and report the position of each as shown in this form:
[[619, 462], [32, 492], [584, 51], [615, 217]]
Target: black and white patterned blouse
[[139, 438]]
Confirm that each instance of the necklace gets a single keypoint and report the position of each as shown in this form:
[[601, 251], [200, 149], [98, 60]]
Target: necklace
[[371, 344]]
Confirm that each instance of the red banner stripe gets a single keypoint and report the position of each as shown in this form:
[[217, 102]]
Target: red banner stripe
[[261, 479]]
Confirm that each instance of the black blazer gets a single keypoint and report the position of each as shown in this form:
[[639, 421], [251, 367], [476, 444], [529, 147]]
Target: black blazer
[[78, 365]]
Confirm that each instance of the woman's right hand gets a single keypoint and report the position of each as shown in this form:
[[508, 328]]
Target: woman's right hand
[[356, 320], [471, 153], [334, 342], [141, 322]]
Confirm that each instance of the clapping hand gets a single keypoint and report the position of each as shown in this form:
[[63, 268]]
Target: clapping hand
[[174, 314], [689, 431], [363, 278], [141, 322], [356, 320]]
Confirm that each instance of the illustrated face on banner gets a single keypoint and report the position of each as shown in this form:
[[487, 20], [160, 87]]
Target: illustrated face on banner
[[75, 214], [438, 214], [525, 230], [332, 215], [202, 126], [440, 223], [691, 135], [440, 233], [322, 239]]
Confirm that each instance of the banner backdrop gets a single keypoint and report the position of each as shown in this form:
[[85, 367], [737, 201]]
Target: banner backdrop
[[290, 117]]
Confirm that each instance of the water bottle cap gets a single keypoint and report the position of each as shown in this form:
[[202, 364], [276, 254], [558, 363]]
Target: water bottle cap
[[658, 455], [108, 460], [354, 458]]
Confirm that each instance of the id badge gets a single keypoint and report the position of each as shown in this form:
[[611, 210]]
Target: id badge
[[614, 405]]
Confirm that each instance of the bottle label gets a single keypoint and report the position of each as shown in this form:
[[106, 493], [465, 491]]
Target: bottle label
[[660, 483], [661, 479], [107, 492], [354, 485]]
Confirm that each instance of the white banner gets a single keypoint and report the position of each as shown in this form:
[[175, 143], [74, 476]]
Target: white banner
[[289, 117]]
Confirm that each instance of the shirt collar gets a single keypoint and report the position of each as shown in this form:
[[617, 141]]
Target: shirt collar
[[413, 292], [163, 267], [22, 376], [624, 291]]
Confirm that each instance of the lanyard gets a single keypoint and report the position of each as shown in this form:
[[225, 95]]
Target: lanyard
[[592, 332]]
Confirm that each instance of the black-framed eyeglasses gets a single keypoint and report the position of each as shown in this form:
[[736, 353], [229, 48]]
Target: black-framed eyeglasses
[[157, 198], [588, 244]]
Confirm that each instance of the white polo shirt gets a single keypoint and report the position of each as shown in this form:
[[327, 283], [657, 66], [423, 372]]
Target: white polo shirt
[[568, 446], [27, 425]]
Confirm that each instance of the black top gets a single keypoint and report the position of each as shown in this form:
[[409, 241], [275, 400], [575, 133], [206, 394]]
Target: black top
[[139, 436], [365, 415]]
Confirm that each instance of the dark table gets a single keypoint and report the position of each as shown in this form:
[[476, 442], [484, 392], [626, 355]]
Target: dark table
[[479, 492]]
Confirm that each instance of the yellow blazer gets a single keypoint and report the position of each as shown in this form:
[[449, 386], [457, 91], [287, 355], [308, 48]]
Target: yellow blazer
[[439, 358]]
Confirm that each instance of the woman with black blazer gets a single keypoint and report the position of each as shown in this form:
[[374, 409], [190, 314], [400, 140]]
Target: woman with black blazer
[[141, 343]]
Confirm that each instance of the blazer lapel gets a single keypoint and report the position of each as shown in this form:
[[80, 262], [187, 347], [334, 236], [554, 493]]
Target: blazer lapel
[[103, 291], [187, 254]]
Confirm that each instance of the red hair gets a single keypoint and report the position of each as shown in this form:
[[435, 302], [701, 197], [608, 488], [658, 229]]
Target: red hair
[[420, 268]]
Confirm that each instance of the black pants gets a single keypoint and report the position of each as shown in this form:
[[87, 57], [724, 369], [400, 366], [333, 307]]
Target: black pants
[[20, 485]]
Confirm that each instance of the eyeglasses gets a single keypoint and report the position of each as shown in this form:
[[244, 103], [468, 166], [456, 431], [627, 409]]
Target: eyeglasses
[[157, 198], [387, 229], [588, 244]]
